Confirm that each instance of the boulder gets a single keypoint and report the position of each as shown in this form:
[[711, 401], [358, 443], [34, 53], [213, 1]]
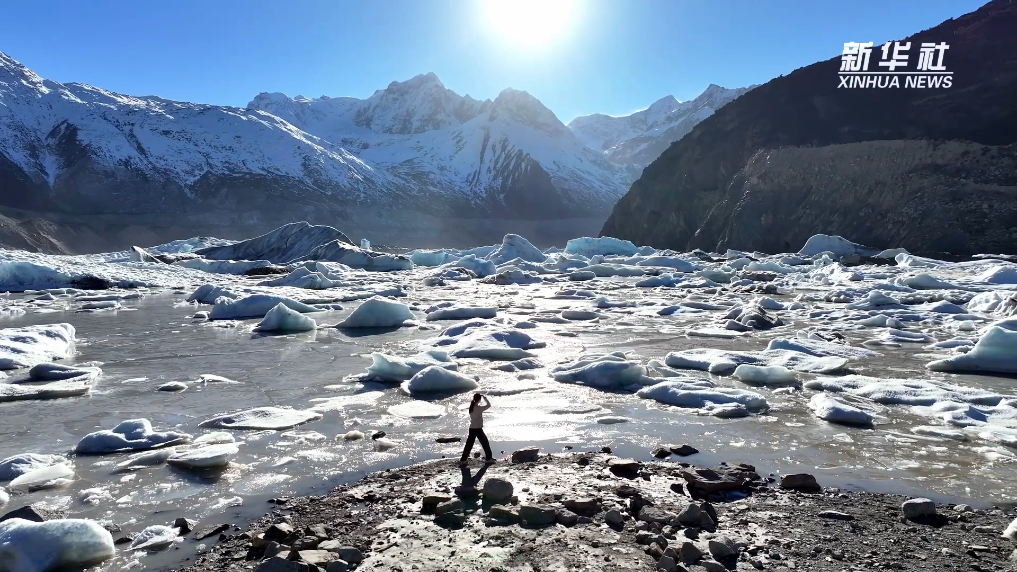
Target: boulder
[[689, 553], [527, 455], [587, 506], [683, 450], [567, 518], [279, 564], [702, 482], [614, 517], [689, 516], [453, 519], [801, 482], [454, 505], [337, 566], [722, 547], [654, 514], [319, 558], [497, 490], [627, 468], [507, 514], [185, 525], [917, 509], [537, 515], [278, 532], [661, 452]]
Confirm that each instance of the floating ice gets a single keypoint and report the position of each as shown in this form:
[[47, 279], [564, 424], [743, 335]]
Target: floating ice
[[476, 265], [605, 245], [146, 459], [428, 257], [995, 351], [995, 302], [417, 410], [209, 293], [875, 300], [4, 497], [53, 390], [282, 319], [579, 315], [999, 275], [285, 244], [262, 418], [172, 386], [925, 282], [836, 411], [237, 267], [59, 372], [673, 262], [155, 538], [723, 362], [353, 436], [435, 379], [838, 245], [462, 313], [765, 375], [49, 477], [17, 465], [603, 371], [487, 342], [942, 432], [130, 435], [76, 544], [303, 277], [209, 456], [30, 345], [386, 367], [512, 275], [378, 312], [687, 395], [514, 246], [254, 306]]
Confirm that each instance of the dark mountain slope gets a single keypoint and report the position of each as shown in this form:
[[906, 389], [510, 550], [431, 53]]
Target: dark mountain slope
[[787, 159]]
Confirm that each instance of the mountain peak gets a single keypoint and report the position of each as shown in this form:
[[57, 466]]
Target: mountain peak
[[666, 103]]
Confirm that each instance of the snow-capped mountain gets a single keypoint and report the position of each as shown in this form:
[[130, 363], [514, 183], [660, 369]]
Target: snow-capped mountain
[[635, 140], [414, 146]]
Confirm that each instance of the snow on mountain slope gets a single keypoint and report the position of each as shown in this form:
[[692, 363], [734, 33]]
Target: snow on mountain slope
[[76, 148], [636, 140]]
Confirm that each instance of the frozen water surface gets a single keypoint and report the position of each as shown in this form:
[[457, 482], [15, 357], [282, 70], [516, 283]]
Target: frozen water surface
[[562, 362]]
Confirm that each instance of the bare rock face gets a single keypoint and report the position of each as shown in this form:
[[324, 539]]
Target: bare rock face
[[923, 169]]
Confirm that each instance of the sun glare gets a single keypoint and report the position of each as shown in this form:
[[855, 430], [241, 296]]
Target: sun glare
[[530, 23]]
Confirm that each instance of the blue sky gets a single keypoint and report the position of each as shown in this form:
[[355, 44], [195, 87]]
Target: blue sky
[[598, 56]]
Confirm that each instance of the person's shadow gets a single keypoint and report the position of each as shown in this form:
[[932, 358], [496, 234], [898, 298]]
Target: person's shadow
[[468, 489]]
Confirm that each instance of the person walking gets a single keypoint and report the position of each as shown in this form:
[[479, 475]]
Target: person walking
[[477, 410]]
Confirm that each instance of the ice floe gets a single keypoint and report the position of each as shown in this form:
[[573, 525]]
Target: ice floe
[[478, 340], [282, 319], [514, 246], [130, 435], [995, 351], [17, 465], [724, 401], [378, 312], [208, 456], [262, 418], [30, 345], [155, 538], [836, 411], [27, 546], [52, 476], [385, 367], [436, 379], [254, 306]]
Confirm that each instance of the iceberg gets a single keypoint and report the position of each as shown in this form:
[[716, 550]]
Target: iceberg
[[488, 343], [995, 351], [283, 319], [434, 379], [209, 456], [836, 411], [687, 395], [130, 435], [514, 246], [254, 306], [285, 244], [462, 313], [377, 312], [236, 267], [386, 367], [603, 371], [262, 418], [17, 465], [838, 245], [31, 345], [605, 245], [76, 544]]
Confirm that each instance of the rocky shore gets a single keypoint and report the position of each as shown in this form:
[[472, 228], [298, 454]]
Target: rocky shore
[[597, 512]]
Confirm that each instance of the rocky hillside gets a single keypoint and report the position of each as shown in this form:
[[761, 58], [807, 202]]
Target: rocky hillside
[[413, 149], [634, 141], [925, 169]]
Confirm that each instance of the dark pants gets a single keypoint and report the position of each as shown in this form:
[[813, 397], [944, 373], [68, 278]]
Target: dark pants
[[477, 434]]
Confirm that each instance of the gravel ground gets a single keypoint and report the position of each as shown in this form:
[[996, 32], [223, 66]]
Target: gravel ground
[[592, 511]]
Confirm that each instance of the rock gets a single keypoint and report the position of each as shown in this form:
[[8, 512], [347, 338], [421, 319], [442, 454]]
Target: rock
[[667, 564], [626, 491], [689, 553], [466, 492], [684, 450], [378, 435], [279, 564], [319, 558], [1013, 556], [537, 515], [614, 517], [711, 566], [337, 566], [918, 509], [434, 499], [605, 450], [624, 467], [454, 505], [216, 529], [317, 530], [306, 543], [678, 488], [33, 512], [126, 539], [453, 519], [505, 513], [985, 530], [185, 525], [689, 516], [497, 490], [350, 554], [274, 548], [710, 511], [703, 482], [706, 522], [527, 455], [448, 439], [587, 506], [661, 453], [654, 514], [801, 482], [722, 547], [643, 537], [278, 532], [655, 550], [567, 518], [835, 515], [963, 508]]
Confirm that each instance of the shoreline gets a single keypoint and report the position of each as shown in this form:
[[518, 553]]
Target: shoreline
[[593, 511]]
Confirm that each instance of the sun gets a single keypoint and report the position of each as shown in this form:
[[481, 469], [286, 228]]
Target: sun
[[530, 23]]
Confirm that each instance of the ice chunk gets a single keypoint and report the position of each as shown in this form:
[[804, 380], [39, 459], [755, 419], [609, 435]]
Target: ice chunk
[[157, 537], [304, 277], [386, 367], [488, 343], [476, 265], [53, 476], [942, 432], [673, 262], [605, 245], [512, 275], [254, 306], [237, 267], [209, 456], [356, 257], [765, 375], [282, 319], [925, 282], [434, 379], [999, 275], [30, 345], [995, 302], [146, 459], [875, 300], [60, 372], [417, 410], [54, 390], [995, 351], [130, 435], [378, 312], [209, 293], [608, 270], [514, 246], [172, 386], [17, 465], [836, 411], [62, 544], [609, 371], [838, 245], [909, 261], [262, 418], [428, 257], [579, 315], [682, 394], [4, 497], [285, 244], [462, 313]]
